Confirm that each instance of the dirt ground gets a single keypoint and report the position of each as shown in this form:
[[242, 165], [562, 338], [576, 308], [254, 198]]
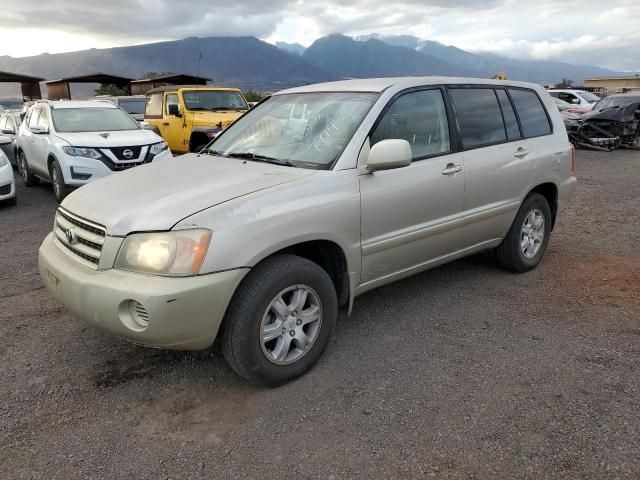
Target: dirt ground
[[465, 371]]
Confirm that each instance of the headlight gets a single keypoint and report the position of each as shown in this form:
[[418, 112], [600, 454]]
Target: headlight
[[81, 152], [167, 253], [156, 148], [3, 159]]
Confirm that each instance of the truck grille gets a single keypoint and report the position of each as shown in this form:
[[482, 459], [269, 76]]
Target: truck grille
[[80, 238]]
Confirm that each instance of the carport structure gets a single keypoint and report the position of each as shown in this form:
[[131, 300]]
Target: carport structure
[[141, 87], [60, 90], [30, 85]]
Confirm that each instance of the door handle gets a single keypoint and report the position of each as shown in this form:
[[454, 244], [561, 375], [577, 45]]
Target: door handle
[[521, 152], [452, 168], [166, 124]]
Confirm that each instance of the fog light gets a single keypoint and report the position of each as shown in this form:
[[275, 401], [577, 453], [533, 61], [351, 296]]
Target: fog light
[[133, 315]]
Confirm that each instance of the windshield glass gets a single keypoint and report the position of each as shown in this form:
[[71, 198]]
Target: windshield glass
[[11, 104], [611, 102], [133, 106], [308, 130], [94, 119], [214, 100], [589, 97]]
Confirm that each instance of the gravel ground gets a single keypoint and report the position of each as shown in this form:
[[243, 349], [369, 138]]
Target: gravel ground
[[461, 372]]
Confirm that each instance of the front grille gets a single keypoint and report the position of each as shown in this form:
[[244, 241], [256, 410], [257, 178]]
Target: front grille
[[119, 152], [80, 238], [5, 189]]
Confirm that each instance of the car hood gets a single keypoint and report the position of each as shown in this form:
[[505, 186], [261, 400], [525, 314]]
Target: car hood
[[156, 196], [128, 138], [211, 119]]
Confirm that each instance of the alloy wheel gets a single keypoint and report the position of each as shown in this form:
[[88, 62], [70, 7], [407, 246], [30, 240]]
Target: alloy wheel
[[532, 233]]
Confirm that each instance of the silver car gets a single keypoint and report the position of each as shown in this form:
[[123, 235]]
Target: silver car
[[313, 197]]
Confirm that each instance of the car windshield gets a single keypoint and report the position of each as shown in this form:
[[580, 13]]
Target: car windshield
[[589, 97], [11, 104], [93, 119], [308, 130], [613, 102], [214, 100], [133, 106]]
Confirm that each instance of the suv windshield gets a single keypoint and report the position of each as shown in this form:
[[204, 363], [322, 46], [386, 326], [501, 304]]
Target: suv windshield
[[11, 104], [214, 100], [611, 102], [133, 106], [94, 119], [308, 130]]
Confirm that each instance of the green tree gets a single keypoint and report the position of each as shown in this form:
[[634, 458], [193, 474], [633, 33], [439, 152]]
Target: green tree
[[566, 83], [111, 90], [253, 96]]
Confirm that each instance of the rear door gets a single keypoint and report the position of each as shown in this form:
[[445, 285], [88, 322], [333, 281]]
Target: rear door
[[40, 143], [412, 215], [498, 163], [27, 135]]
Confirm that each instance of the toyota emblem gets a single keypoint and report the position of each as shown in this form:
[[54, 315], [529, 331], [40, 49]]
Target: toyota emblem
[[71, 236], [127, 154]]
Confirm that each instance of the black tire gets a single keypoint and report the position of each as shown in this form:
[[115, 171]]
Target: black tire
[[60, 189], [29, 179], [241, 329], [509, 253]]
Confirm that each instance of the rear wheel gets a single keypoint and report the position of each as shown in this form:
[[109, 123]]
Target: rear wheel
[[60, 189], [527, 240], [30, 180], [280, 320]]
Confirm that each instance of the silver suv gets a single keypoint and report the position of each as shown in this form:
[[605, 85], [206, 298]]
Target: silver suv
[[313, 197]]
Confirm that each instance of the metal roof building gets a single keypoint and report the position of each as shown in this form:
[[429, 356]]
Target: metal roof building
[[29, 85], [140, 87], [60, 90]]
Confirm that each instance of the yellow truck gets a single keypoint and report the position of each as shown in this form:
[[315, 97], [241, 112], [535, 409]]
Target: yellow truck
[[188, 117]]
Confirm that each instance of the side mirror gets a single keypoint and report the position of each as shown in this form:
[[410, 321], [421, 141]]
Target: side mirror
[[575, 101], [174, 109], [40, 130], [389, 154], [5, 140], [8, 131]]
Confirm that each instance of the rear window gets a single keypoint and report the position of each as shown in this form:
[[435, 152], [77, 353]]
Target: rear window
[[154, 105], [533, 116], [479, 116], [133, 106]]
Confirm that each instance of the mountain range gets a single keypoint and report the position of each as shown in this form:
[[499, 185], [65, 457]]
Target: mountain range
[[251, 63]]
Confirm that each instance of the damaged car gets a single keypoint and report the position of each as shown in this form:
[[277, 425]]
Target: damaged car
[[613, 123]]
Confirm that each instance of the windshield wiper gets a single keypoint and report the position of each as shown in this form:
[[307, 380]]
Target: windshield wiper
[[260, 158]]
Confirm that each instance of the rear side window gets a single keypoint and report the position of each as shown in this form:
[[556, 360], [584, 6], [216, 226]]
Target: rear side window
[[479, 116], [510, 120], [33, 118], [420, 118], [533, 116], [154, 105]]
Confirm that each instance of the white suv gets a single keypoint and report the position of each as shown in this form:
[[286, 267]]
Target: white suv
[[577, 98], [71, 143]]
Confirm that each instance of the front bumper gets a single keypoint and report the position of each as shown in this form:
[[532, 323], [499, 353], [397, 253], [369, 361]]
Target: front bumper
[[7, 183], [184, 313]]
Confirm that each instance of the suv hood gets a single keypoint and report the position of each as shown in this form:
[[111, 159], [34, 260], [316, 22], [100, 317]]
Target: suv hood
[[212, 119], [126, 138], [156, 196]]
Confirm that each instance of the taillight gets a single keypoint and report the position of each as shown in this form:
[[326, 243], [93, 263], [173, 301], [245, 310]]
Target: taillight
[[572, 169]]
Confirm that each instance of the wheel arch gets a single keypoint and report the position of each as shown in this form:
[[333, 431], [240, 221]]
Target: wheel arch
[[329, 256], [549, 191]]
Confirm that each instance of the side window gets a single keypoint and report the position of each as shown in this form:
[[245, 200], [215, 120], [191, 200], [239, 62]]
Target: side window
[[33, 118], [510, 120], [419, 118], [568, 97], [43, 121], [171, 99], [479, 116], [3, 123], [533, 116], [154, 105]]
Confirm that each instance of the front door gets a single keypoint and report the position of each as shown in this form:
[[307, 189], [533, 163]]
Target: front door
[[172, 127], [412, 215]]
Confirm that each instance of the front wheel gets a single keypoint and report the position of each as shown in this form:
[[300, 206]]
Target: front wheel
[[280, 320], [60, 189], [527, 240]]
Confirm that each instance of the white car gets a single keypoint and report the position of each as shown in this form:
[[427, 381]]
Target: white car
[[577, 98], [71, 143], [7, 183]]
